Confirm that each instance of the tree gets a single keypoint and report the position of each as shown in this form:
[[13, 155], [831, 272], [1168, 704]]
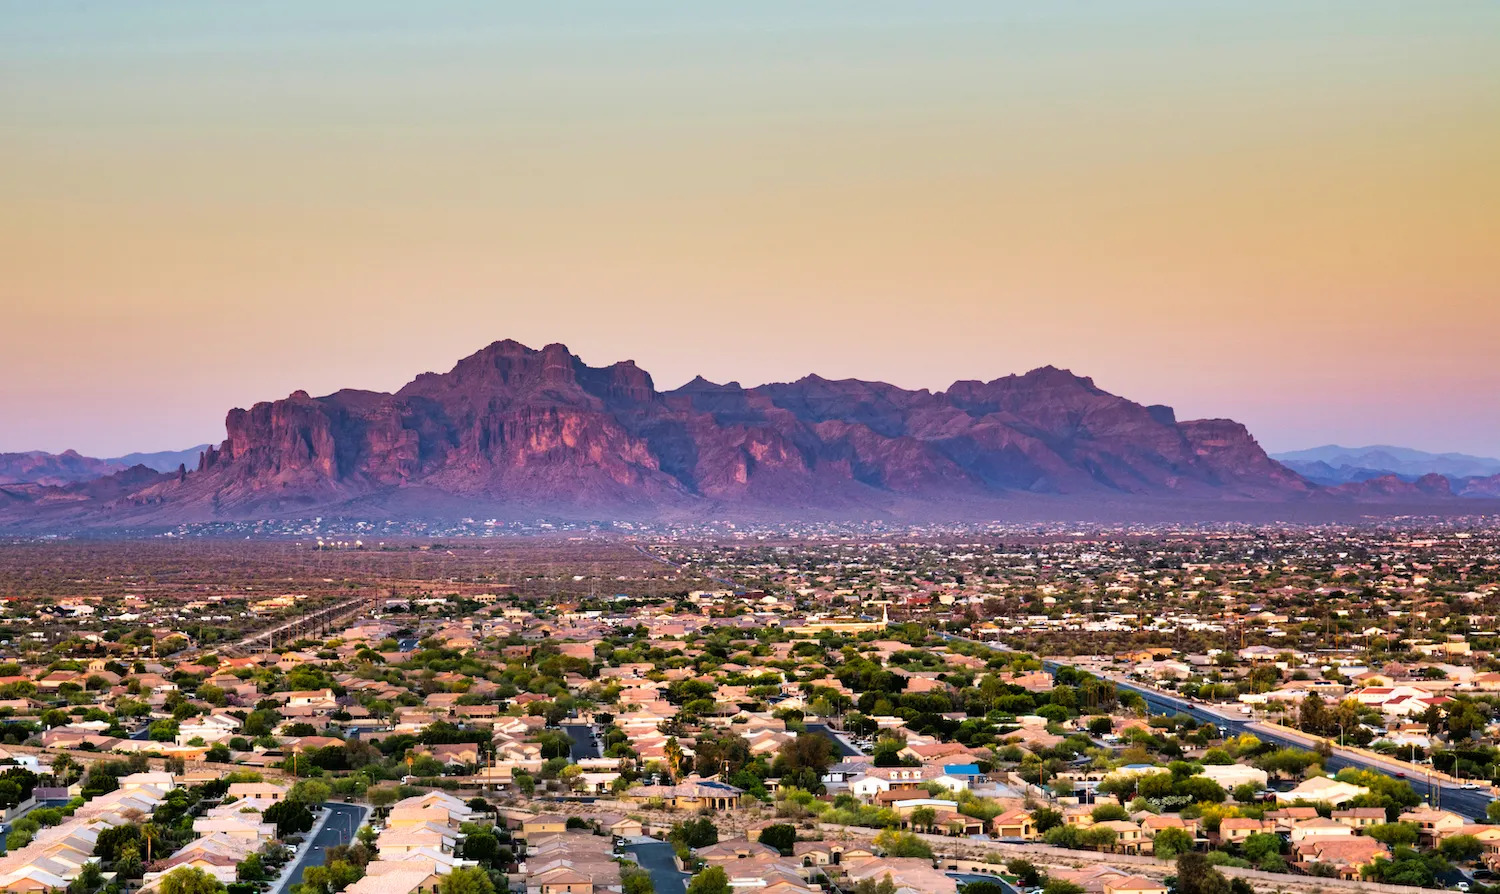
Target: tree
[[902, 844], [1099, 838], [1154, 785], [782, 836], [149, 833], [807, 751], [726, 754], [290, 817], [1217, 757], [482, 846], [1261, 845], [636, 880], [1046, 818], [467, 880], [1201, 789], [700, 832], [1196, 876], [923, 818], [309, 792], [113, 841], [1026, 873], [187, 880], [672, 751], [887, 753], [1385, 791], [65, 768], [1168, 843], [1063, 886], [1464, 718], [1394, 834], [90, 877], [1313, 716], [1460, 848], [713, 880], [162, 730], [1405, 867], [1288, 761], [10, 793], [251, 869]]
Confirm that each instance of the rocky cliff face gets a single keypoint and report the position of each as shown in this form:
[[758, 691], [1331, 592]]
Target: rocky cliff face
[[510, 425]]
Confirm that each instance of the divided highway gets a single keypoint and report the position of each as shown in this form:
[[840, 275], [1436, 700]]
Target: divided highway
[[1470, 803]]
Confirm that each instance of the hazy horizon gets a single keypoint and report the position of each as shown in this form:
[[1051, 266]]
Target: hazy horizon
[[1280, 214]]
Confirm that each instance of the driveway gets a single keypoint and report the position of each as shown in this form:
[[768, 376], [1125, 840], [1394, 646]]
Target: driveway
[[656, 858], [343, 821]]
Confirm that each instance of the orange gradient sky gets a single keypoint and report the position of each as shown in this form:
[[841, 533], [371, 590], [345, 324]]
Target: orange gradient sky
[[1281, 212]]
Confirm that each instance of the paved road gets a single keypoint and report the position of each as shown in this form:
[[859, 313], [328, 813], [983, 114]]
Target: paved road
[[343, 821], [1468, 803], [583, 740], [844, 748], [303, 624], [656, 858], [1471, 804]]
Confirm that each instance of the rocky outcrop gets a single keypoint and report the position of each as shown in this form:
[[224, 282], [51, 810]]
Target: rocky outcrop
[[1393, 487], [514, 426]]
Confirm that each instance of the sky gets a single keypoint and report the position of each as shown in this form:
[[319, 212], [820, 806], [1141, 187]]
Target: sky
[[1286, 213]]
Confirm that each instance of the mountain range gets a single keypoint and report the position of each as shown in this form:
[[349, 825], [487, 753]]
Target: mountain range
[[1332, 465], [512, 431], [68, 467]]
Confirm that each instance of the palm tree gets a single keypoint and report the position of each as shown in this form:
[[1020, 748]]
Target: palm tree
[[63, 768], [150, 832], [672, 751]]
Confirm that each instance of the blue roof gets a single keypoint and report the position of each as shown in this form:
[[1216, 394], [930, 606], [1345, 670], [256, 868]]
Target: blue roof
[[961, 769]]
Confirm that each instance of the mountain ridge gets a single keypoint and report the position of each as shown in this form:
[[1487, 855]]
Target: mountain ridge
[[512, 428], [1334, 465]]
